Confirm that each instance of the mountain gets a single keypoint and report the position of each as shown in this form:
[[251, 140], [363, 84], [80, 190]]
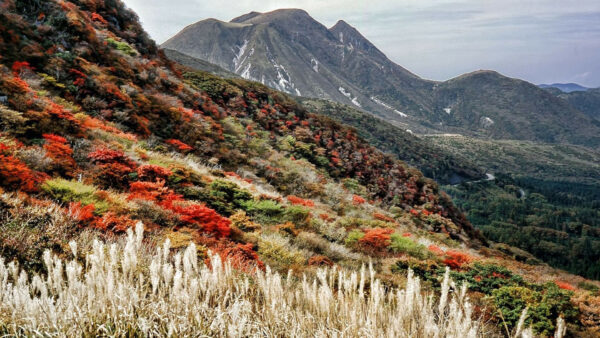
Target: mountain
[[290, 51], [587, 101], [432, 161], [198, 64], [565, 87], [133, 185]]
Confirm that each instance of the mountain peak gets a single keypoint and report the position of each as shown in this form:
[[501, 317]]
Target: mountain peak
[[286, 14]]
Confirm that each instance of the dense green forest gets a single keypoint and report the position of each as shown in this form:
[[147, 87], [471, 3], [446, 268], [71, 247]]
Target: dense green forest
[[558, 222]]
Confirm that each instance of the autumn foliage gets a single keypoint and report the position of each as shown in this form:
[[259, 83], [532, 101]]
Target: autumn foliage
[[456, 259], [376, 240], [295, 200]]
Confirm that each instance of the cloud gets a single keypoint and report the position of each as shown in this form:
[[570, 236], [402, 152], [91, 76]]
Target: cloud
[[538, 40]]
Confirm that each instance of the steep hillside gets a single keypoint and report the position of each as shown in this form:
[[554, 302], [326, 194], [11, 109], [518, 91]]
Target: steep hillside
[[290, 51], [434, 162], [587, 101], [101, 133]]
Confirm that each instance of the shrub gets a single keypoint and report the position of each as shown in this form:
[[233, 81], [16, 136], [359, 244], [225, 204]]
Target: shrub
[[243, 222], [400, 244], [297, 214], [73, 191], [376, 240], [564, 285], [225, 197], [14, 174], [179, 145], [114, 223], [357, 200], [278, 250], [353, 237], [80, 212], [205, 218], [455, 259], [295, 200], [240, 256], [59, 150], [151, 172], [265, 211], [436, 250], [122, 46], [382, 217], [320, 260], [545, 306]]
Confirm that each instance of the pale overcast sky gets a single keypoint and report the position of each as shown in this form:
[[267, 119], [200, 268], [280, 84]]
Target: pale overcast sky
[[541, 41]]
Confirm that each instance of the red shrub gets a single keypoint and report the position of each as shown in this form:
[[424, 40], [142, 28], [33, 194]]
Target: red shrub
[[105, 155], [376, 240], [15, 174], [564, 285], [150, 172], [241, 256], [456, 259], [18, 66], [325, 217], [231, 174], [112, 175], [295, 200], [357, 200], [179, 145], [57, 149], [320, 260], [383, 217], [149, 191], [436, 250], [81, 213], [205, 218], [99, 18], [113, 222]]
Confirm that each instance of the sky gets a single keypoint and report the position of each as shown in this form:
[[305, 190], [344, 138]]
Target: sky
[[541, 41]]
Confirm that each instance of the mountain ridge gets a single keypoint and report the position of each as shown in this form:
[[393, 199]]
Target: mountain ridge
[[290, 51]]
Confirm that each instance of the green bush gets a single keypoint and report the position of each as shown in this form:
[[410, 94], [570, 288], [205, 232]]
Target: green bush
[[545, 306], [353, 237], [73, 191], [401, 244], [265, 211], [122, 46], [297, 214]]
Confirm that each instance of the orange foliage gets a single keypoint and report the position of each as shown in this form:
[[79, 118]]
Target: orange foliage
[[295, 200], [81, 213], [57, 149], [113, 222], [205, 218], [240, 256], [179, 145], [383, 217], [564, 285], [151, 172], [320, 260], [99, 18], [376, 240], [436, 250], [357, 200], [15, 174], [456, 259]]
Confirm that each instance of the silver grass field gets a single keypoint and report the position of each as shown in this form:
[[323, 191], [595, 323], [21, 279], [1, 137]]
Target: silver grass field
[[125, 290]]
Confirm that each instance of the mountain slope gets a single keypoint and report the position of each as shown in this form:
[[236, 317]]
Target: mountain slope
[[433, 162], [565, 87], [587, 101], [290, 51]]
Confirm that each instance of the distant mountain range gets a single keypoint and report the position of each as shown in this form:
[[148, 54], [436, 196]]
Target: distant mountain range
[[290, 51], [565, 87]]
